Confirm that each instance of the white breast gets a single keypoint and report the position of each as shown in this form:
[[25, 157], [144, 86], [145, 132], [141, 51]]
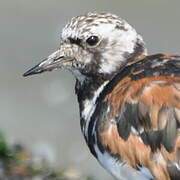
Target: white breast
[[120, 170]]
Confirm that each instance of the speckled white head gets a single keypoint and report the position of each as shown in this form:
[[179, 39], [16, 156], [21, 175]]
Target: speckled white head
[[95, 45], [117, 39]]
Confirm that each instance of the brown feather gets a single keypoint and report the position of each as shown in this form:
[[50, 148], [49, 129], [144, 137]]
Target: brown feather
[[134, 151], [160, 97]]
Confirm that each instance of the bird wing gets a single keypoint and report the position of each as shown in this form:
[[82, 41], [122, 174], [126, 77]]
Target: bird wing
[[142, 123]]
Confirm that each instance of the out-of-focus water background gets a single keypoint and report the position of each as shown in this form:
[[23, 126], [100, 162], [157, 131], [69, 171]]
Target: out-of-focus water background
[[41, 112]]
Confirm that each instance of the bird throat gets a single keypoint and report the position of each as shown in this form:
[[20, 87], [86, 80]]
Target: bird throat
[[88, 94]]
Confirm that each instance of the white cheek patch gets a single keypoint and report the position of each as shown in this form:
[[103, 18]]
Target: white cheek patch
[[119, 43], [107, 67]]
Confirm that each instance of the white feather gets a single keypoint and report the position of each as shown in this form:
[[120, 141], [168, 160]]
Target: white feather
[[120, 170], [89, 107]]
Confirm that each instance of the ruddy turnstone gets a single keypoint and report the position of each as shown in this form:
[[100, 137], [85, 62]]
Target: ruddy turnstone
[[129, 101]]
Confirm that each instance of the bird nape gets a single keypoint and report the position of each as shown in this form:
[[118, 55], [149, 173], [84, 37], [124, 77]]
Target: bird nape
[[129, 101]]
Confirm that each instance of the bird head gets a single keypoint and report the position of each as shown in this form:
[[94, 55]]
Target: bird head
[[94, 45]]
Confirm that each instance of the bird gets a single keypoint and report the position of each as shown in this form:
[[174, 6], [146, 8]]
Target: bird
[[129, 100]]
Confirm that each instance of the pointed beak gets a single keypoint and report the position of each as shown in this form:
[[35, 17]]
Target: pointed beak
[[35, 70], [54, 61]]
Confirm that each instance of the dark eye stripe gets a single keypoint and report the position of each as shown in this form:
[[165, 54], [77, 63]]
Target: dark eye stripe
[[75, 41]]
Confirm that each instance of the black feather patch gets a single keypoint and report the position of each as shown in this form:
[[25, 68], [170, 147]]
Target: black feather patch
[[131, 117], [75, 41], [166, 135]]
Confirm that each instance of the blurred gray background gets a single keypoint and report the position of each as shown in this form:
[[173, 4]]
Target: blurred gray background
[[42, 111]]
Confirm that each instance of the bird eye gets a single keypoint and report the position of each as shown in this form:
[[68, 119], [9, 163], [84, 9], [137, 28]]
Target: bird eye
[[92, 40]]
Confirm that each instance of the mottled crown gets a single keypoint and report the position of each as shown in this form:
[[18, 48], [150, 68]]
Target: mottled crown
[[83, 25]]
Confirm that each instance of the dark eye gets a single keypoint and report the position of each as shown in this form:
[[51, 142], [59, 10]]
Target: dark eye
[[92, 40]]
